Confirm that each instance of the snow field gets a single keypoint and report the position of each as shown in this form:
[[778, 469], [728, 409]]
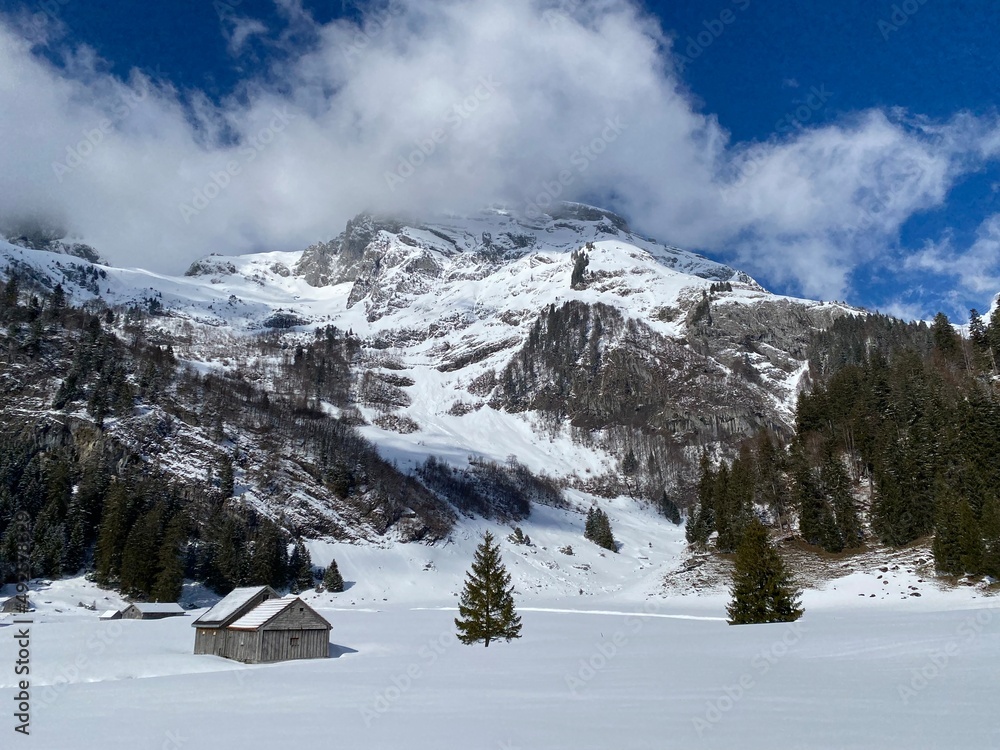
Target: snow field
[[881, 679]]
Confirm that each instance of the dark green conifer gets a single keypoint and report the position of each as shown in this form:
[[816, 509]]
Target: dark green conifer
[[598, 529], [762, 590], [486, 607], [332, 580]]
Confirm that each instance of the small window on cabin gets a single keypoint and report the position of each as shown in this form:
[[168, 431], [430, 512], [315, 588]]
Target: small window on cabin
[[295, 641]]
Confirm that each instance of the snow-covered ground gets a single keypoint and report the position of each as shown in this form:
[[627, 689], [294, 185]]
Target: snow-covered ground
[[625, 676], [621, 665]]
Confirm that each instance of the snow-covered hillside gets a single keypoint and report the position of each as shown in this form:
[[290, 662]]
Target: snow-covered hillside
[[446, 304]]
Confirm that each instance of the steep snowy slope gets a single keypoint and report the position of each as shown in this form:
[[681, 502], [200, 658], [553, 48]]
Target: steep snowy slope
[[444, 307]]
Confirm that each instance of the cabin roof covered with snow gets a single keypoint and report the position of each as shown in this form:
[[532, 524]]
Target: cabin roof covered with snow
[[231, 604], [264, 612], [158, 607]]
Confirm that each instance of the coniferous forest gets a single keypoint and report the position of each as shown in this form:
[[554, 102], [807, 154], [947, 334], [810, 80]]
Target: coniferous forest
[[101, 502], [896, 440]]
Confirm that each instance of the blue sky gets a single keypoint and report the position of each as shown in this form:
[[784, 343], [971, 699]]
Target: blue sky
[[837, 150]]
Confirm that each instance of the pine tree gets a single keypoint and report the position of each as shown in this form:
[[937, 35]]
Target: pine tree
[[486, 607], [332, 580], [598, 529], [837, 486], [946, 340], [580, 263], [701, 523], [991, 537], [762, 590], [112, 533], [300, 566], [947, 545], [169, 581], [630, 465], [269, 558], [737, 499], [669, 509], [226, 477]]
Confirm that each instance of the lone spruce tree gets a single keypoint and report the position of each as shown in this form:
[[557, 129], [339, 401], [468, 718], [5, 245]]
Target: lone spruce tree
[[486, 607], [332, 580], [762, 590]]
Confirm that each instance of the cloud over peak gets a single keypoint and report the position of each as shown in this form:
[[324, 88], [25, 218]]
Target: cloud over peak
[[440, 105]]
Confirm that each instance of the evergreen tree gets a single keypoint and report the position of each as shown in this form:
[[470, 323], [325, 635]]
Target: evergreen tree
[[669, 509], [947, 342], [991, 537], [112, 532], [332, 580], [993, 335], [947, 545], [630, 465], [300, 567], [737, 499], [817, 523], [837, 487], [269, 558], [598, 529], [169, 582], [57, 302], [486, 607], [762, 590], [701, 522], [227, 481], [580, 262], [141, 554]]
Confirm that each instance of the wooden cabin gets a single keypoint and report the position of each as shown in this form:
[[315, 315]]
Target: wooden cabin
[[111, 614], [151, 611], [211, 632], [279, 630], [17, 605]]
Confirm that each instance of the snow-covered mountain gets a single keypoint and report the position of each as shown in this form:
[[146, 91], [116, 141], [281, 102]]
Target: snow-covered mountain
[[475, 341]]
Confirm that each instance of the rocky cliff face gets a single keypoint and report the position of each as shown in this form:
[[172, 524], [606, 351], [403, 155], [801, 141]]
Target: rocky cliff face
[[567, 341]]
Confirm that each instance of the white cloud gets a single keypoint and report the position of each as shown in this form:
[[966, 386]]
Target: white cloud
[[485, 101], [974, 270], [241, 30]]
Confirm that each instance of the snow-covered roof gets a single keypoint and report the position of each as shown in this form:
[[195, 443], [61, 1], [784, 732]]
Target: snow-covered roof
[[109, 614], [157, 607], [230, 604], [262, 613], [265, 612]]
